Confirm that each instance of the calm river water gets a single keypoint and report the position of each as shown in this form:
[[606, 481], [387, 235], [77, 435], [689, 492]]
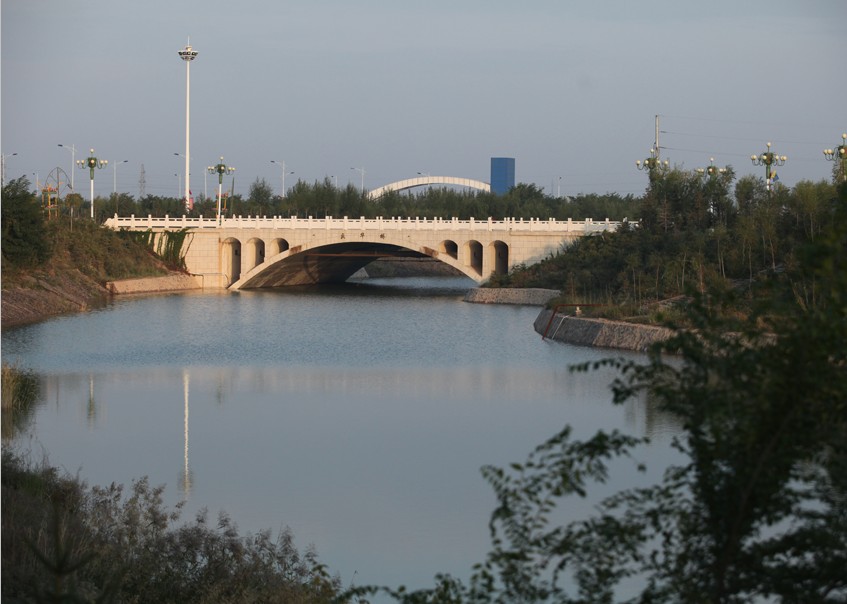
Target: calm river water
[[357, 415]]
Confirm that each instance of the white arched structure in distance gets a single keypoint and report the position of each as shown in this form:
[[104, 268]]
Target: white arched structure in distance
[[421, 181]]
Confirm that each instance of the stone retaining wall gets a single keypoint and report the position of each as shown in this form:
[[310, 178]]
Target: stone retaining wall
[[600, 333], [145, 285], [531, 296]]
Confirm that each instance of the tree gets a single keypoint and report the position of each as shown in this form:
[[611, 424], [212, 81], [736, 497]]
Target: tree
[[260, 194], [760, 509], [24, 243], [757, 511]]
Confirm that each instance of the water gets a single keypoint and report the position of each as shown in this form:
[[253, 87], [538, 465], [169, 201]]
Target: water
[[357, 415]]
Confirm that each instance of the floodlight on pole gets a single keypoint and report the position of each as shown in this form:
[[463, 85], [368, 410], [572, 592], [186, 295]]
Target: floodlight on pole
[[362, 170], [3, 168], [92, 162], [115, 174], [281, 164], [72, 149], [187, 54]]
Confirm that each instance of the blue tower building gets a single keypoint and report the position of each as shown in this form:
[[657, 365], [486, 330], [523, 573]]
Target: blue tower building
[[502, 174]]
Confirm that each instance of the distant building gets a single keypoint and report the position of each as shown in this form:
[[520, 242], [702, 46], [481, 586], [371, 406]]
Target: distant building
[[502, 174]]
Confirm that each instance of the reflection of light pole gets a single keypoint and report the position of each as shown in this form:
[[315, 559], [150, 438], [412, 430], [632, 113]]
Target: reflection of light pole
[[186, 471], [220, 169], [281, 164], [3, 169], [72, 149], [840, 154], [768, 159], [187, 54], [115, 174], [91, 162], [362, 170]]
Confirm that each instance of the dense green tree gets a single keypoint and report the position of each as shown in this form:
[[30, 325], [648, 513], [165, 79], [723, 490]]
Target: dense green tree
[[260, 195], [24, 243], [756, 508]]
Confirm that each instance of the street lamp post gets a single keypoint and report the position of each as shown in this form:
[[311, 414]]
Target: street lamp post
[[712, 170], [220, 169], [652, 163], [281, 164], [72, 149], [362, 170], [115, 174], [91, 162], [187, 54], [769, 160], [3, 168], [839, 154]]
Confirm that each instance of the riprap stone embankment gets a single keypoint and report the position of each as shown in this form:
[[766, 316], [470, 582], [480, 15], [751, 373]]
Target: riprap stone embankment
[[599, 333], [511, 295]]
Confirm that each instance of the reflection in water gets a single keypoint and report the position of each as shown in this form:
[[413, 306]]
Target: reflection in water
[[185, 476], [359, 419], [91, 410]]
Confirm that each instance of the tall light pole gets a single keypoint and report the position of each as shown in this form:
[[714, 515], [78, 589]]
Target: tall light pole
[[187, 54], [3, 168], [220, 169], [281, 164], [92, 162], [72, 149], [362, 170], [769, 160], [115, 174], [839, 154]]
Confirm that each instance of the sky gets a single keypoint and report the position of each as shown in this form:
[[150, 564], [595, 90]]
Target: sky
[[382, 90]]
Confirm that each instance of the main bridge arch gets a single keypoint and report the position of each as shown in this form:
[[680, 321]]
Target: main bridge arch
[[335, 262], [421, 181]]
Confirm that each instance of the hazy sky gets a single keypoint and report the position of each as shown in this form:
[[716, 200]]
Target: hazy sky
[[569, 89]]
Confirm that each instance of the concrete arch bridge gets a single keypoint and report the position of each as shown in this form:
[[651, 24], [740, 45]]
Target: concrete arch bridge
[[253, 252], [421, 181]]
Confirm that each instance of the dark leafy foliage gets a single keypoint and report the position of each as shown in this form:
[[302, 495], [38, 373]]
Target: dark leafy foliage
[[63, 542], [24, 242], [757, 509]]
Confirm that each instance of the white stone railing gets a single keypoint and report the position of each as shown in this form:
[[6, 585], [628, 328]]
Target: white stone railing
[[137, 223]]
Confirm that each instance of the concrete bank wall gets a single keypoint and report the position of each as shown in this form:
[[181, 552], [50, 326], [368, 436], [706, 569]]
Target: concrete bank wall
[[511, 295], [145, 285], [600, 333]]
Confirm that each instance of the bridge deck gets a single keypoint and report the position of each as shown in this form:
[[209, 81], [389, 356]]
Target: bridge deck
[[329, 223]]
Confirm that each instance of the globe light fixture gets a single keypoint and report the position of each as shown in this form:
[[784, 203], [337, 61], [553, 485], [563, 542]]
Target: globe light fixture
[[769, 160], [712, 170], [652, 163], [91, 163], [839, 154], [220, 169]]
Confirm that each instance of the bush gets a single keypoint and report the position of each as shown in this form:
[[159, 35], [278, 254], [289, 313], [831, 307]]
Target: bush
[[62, 541]]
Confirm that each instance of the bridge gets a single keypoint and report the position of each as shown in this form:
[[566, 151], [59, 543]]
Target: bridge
[[253, 252], [421, 181]]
